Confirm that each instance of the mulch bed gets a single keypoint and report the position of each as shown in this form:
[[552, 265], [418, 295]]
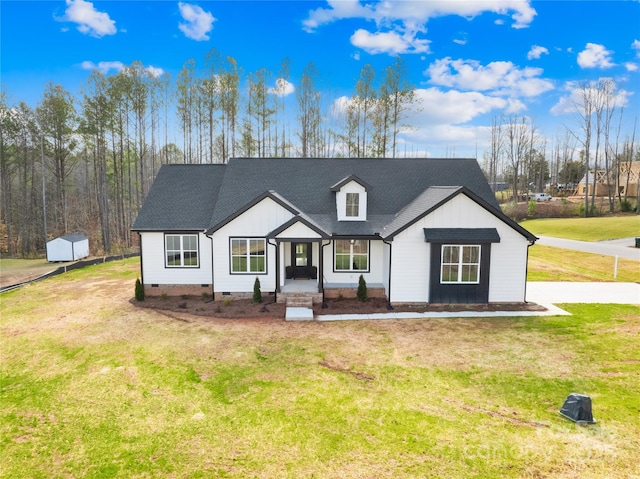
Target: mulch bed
[[238, 309]]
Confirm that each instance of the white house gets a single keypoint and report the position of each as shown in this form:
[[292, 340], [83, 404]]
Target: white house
[[417, 230], [68, 248]]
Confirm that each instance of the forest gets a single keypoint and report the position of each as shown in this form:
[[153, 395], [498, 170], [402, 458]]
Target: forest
[[85, 162]]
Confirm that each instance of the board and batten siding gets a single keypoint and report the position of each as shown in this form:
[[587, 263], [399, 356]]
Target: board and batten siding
[[256, 222], [153, 262], [410, 269]]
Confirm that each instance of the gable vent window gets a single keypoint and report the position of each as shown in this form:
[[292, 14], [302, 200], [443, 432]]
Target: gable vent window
[[181, 251], [353, 205]]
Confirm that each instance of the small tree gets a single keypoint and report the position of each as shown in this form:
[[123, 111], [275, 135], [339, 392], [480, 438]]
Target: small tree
[[139, 290], [362, 289], [257, 295]]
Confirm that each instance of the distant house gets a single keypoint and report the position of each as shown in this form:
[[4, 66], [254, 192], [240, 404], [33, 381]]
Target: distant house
[[417, 230], [68, 248], [624, 180]]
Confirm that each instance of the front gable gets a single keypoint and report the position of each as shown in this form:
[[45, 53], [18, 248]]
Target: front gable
[[297, 228]]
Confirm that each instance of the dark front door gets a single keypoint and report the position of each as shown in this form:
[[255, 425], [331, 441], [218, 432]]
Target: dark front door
[[301, 260]]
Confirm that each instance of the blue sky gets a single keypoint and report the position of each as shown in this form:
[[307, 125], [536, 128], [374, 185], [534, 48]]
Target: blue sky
[[469, 60]]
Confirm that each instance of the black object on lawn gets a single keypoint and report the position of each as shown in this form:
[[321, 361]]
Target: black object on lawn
[[577, 407]]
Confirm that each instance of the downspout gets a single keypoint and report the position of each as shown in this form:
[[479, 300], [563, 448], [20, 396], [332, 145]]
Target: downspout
[[213, 294], [275, 292], [389, 307], [321, 275], [141, 267], [526, 270]]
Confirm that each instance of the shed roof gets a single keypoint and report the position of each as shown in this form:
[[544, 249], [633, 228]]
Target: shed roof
[[72, 238]]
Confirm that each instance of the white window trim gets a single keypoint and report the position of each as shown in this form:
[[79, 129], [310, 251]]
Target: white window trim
[[247, 255], [182, 251], [351, 254], [460, 263]]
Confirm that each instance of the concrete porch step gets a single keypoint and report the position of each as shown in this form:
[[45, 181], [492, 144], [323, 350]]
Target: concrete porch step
[[298, 314], [299, 302]]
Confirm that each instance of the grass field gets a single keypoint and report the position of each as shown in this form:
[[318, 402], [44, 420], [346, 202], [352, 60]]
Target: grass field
[[586, 229], [13, 271], [93, 386], [556, 264]]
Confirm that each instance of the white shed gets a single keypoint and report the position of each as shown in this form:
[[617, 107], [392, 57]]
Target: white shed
[[68, 248]]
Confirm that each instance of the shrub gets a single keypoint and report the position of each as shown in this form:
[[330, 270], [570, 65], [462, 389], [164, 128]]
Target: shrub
[[531, 208], [257, 295], [362, 289], [139, 290], [625, 206]]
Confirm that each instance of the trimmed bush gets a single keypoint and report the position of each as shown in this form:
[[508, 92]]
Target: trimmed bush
[[139, 290], [257, 295], [362, 289]]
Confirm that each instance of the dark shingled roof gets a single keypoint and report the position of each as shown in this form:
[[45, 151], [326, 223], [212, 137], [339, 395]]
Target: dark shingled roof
[[181, 198], [206, 197], [461, 235]]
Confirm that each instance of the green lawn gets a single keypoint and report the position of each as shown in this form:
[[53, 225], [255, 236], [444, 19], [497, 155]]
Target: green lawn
[[547, 263], [586, 229], [92, 386]]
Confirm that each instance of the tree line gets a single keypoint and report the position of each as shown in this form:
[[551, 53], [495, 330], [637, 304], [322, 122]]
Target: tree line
[[84, 163], [592, 151]]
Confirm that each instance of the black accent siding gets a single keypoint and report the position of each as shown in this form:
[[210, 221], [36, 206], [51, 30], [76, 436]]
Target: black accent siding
[[459, 293]]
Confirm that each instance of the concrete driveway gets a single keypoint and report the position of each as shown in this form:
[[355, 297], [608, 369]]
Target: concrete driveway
[[554, 292], [621, 247]]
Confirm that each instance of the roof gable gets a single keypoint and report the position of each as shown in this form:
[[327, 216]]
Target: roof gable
[[433, 198], [348, 179]]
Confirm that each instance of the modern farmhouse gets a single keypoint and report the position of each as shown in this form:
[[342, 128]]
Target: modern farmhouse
[[417, 230]]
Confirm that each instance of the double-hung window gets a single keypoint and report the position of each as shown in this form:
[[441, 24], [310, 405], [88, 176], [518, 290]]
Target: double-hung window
[[460, 264], [353, 205], [248, 255], [181, 251], [351, 255]]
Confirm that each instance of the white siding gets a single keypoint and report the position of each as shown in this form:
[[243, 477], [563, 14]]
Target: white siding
[[298, 231], [410, 270], [153, 262], [376, 272], [257, 222]]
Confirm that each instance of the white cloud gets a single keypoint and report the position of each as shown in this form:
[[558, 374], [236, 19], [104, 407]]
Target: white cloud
[[502, 78], [631, 67], [595, 56], [389, 42], [460, 41], [536, 52], [198, 23], [399, 22], [155, 72], [576, 91], [283, 88], [636, 46], [89, 20], [106, 67]]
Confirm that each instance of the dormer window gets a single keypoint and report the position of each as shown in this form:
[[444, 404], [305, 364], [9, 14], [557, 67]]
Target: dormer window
[[351, 199], [353, 205]]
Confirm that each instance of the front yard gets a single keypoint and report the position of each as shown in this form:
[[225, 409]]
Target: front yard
[[93, 386]]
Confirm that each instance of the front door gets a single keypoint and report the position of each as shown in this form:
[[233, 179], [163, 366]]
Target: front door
[[301, 260]]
